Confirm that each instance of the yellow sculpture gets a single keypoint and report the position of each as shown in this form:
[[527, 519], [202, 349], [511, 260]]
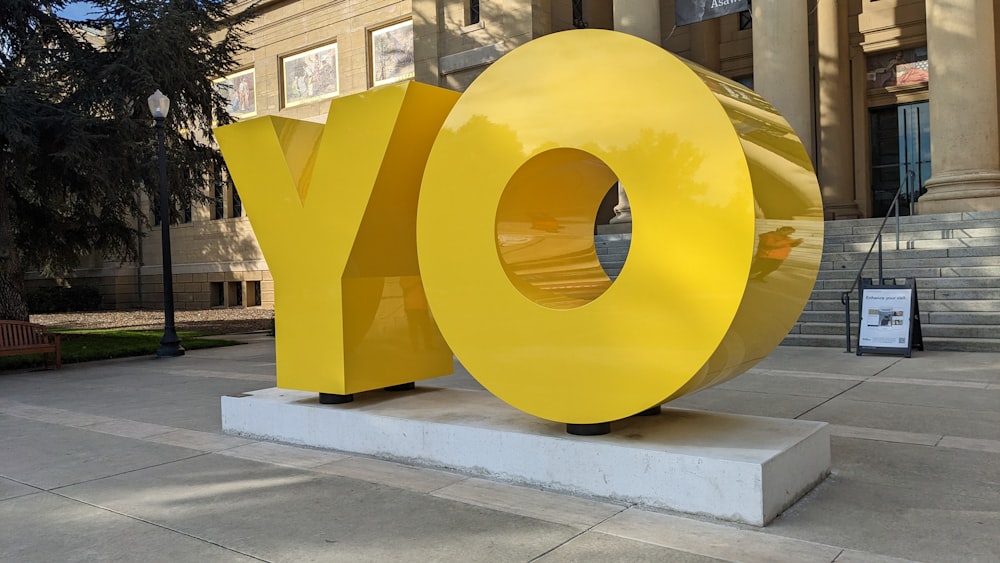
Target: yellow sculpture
[[334, 210], [505, 228]]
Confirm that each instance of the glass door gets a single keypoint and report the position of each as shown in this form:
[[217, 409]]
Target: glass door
[[901, 155]]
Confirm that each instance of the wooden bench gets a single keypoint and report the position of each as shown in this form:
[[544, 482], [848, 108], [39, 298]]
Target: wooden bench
[[18, 338]]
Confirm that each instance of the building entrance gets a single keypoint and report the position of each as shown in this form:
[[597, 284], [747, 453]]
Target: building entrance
[[901, 155]]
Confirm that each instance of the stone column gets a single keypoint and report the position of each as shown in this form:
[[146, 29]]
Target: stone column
[[638, 17], [642, 19], [705, 41], [781, 62], [965, 157], [426, 38], [834, 158]]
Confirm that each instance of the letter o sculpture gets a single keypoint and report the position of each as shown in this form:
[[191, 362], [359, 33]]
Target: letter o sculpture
[[505, 227]]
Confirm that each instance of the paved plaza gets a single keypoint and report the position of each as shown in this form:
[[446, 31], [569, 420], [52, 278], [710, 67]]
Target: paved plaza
[[125, 460]]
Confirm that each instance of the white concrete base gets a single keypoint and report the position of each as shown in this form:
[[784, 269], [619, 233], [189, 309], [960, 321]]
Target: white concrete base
[[742, 468]]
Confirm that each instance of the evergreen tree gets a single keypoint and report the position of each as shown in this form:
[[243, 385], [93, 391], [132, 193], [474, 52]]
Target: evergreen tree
[[77, 144]]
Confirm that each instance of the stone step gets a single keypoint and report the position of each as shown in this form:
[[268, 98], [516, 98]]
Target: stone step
[[926, 317], [925, 295], [972, 230], [930, 343], [927, 305], [956, 317], [935, 330], [941, 294], [839, 261], [889, 244], [940, 220], [962, 253], [871, 271], [815, 340], [922, 283]]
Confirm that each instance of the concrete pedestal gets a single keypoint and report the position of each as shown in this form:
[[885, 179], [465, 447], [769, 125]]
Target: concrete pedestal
[[741, 468]]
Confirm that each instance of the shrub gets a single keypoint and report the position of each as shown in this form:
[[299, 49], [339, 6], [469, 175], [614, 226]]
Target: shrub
[[63, 299]]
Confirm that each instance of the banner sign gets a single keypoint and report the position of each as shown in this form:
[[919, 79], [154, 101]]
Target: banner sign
[[693, 11], [889, 319]]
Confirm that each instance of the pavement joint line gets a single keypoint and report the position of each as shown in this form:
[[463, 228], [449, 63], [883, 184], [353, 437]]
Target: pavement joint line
[[932, 382], [582, 532], [925, 406], [916, 438], [126, 472], [852, 387], [881, 435], [808, 374], [971, 444], [726, 541], [161, 526], [901, 380], [814, 407]]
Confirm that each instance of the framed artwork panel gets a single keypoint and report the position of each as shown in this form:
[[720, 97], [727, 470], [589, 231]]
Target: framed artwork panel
[[310, 76], [240, 92], [392, 53]]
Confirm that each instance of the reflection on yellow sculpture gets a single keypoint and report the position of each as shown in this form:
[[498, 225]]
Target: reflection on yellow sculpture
[[334, 210], [504, 229]]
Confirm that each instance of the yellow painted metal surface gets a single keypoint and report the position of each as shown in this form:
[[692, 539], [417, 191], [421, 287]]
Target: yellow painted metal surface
[[334, 208], [515, 171], [506, 213]]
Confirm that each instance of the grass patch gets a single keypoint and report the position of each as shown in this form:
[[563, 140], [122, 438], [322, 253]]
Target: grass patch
[[90, 345]]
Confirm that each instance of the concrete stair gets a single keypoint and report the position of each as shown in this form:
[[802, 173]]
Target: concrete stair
[[955, 258]]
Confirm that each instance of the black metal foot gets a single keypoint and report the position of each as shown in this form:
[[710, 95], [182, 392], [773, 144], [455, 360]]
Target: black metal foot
[[402, 387], [651, 411], [595, 429], [334, 399]]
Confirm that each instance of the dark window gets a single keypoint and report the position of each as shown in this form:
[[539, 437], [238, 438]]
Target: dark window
[[578, 21], [901, 155], [746, 18], [217, 292], [187, 209], [237, 209], [156, 210], [253, 293], [219, 197], [235, 294], [473, 12]]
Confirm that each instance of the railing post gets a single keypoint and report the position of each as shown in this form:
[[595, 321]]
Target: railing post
[[845, 298], [897, 226], [879, 257]]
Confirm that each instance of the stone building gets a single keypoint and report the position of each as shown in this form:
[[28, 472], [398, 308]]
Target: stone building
[[883, 93]]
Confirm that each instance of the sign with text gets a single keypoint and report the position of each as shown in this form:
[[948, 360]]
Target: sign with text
[[888, 318], [693, 11]]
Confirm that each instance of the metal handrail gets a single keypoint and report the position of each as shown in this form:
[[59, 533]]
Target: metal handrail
[[845, 297]]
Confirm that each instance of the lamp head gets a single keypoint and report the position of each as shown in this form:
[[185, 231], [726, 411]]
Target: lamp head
[[159, 105]]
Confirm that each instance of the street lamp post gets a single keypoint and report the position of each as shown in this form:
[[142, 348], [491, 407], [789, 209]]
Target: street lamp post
[[170, 344]]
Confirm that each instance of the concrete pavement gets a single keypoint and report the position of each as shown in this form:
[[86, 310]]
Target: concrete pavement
[[124, 460]]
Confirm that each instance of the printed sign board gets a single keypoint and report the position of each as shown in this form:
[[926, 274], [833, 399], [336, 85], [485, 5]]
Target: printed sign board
[[889, 319], [693, 11]]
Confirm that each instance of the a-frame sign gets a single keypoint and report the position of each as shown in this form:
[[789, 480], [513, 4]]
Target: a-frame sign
[[889, 318]]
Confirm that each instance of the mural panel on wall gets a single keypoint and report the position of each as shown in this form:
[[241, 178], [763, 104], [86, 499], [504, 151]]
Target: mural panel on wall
[[392, 53], [240, 93], [310, 76], [898, 68]]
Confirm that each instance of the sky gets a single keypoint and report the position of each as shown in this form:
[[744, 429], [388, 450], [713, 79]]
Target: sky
[[77, 11]]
